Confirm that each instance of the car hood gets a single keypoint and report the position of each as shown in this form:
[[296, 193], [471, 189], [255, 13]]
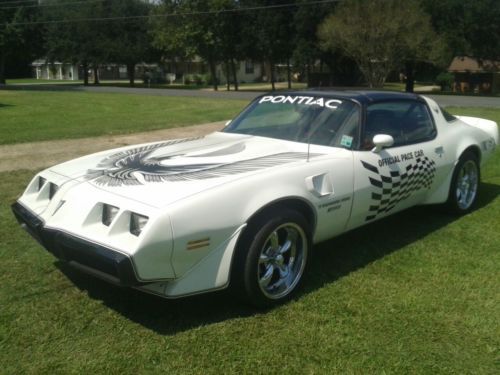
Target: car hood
[[161, 173]]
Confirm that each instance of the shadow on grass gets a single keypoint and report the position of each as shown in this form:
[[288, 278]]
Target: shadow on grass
[[332, 260], [5, 105], [45, 87]]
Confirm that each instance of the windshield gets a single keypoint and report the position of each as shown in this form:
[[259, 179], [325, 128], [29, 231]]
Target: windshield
[[319, 120]]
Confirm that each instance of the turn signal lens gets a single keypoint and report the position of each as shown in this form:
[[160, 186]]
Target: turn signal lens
[[137, 223], [109, 213]]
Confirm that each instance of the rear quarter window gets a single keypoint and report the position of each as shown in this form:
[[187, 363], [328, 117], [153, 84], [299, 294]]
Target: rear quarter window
[[447, 115]]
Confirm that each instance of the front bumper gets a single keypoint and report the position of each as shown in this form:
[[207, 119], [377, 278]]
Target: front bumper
[[87, 256]]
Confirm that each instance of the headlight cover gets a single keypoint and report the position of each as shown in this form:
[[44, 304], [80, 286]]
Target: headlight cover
[[41, 182], [109, 212], [137, 223], [52, 190]]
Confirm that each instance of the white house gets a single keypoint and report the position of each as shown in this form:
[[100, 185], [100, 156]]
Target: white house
[[57, 70], [247, 71]]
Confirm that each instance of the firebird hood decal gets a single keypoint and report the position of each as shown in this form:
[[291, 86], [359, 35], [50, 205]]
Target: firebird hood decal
[[138, 166]]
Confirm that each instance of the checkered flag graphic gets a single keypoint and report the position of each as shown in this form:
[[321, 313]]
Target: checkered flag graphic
[[398, 185]]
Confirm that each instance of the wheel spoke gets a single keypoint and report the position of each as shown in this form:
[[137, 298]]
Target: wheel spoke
[[263, 258], [266, 278], [286, 246], [275, 244], [284, 270]]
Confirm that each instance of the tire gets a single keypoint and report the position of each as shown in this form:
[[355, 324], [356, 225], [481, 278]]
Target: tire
[[464, 185], [271, 258]]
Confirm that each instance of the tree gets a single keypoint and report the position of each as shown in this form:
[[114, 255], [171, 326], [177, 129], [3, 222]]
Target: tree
[[131, 42], [306, 47], [271, 33], [380, 35], [13, 32], [87, 38], [78, 39], [470, 28], [229, 33], [181, 36]]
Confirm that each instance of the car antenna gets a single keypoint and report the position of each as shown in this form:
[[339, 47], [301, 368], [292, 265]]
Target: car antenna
[[308, 143]]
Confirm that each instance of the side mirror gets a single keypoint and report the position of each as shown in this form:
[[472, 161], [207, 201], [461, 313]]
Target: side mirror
[[382, 141]]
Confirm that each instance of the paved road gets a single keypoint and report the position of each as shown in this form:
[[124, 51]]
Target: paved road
[[466, 101], [444, 100]]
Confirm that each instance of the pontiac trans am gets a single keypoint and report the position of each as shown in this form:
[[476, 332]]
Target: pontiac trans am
[[242, 207]]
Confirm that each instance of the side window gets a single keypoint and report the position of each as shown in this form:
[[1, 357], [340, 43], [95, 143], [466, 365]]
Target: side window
[[407, 121], [339, 128]]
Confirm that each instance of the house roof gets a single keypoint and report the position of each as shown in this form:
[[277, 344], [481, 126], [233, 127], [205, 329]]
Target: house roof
[[466, 64], [41, 62]]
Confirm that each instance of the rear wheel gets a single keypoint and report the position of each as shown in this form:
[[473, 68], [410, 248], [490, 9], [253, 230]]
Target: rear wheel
[[271, 257], [464, 184]]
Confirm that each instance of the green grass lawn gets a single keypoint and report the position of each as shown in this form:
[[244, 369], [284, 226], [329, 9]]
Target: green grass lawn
[[27, 116], [247, 86], [487, 113]]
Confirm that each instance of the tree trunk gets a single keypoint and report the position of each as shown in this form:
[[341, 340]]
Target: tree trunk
[[85, 67], [131, 73], [235, 77], [271, 65], [410, 76], [228, 84], [289, 73], [2, 69], [96, 74], [213, 73], [308, 72]]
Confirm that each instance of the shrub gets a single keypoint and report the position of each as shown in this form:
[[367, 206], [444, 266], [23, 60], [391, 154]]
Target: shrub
[[445, 80]]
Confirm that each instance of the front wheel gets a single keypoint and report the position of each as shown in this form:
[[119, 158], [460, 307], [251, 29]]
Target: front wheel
[[464, 184], [271, 258]]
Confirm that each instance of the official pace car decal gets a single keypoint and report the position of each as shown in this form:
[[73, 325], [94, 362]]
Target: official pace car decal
[[138, 167], [398, 186]]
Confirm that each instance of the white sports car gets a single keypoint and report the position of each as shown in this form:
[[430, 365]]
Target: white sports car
[[243, 206]]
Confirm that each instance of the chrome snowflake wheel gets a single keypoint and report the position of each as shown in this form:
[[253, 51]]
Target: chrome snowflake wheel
[[464, 184], [467, 183], [282, 260]]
